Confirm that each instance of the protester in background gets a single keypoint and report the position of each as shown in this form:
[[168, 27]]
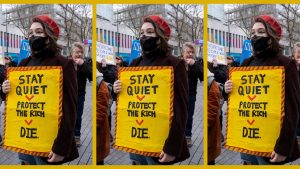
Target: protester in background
[[220, 75], [296, 56], [43, 36], [195, 72], [213, 111], [103, 131], [265, 35], [154, 36], [84, 73], [8, 62]]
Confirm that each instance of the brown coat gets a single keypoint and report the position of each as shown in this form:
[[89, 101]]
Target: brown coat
[[103, 131], [64, 144], [286, 143], [214, 127], [175, 143]]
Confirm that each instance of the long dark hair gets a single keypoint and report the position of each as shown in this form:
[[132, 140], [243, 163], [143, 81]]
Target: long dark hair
[[53, 46], [163, 46], [276, 47]]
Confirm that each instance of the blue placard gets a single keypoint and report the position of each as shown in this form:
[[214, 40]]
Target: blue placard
[[135, 50], [246, 51], [24, 50]]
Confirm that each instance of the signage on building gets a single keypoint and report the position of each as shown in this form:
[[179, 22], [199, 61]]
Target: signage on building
[[24, 50], [135, 50], [246, 51], [199, 42]]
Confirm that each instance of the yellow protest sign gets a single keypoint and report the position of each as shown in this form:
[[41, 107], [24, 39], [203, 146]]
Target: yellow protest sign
[[33, 109], [144, 109], [255, 109]]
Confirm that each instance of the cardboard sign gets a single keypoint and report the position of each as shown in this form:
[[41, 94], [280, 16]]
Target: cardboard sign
[[217, 52], [144, 109], [246, 51], [255, 109], [105, 52], [24, 50], [135, 50], [33, 109]]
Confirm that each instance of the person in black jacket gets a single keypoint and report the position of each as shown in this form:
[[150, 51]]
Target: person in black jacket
[[84, 72], [195, 72]]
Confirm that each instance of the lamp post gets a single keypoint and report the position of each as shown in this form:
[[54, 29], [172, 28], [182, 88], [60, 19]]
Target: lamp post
[[118, 34], [7, 37], [229, 34]]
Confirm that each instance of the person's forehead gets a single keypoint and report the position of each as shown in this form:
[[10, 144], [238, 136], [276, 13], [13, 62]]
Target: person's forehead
[[258, 25], [77, 49], [147, 25], [36, 25]]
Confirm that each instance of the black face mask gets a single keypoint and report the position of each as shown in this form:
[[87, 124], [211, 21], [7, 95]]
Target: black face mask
[[260, 43], [37, 43], [148, 43]]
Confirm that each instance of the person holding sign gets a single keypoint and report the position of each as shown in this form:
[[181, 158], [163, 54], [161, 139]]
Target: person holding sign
[[265, 35], [43, 36], [154, 36]]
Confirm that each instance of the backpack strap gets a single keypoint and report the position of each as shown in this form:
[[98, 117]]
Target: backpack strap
[[210, 80], [99, 80]]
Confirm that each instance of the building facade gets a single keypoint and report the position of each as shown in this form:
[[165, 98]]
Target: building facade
[[132, 16], [243, 16]]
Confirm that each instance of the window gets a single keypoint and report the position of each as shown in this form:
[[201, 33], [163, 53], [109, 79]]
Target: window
[[105, 41], [113, 38], [101, 37], [108, 37]]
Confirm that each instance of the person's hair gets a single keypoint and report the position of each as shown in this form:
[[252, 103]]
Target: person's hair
[[53, 46], [296, 45], [276, 47], [163, 46], [77, 45], [186, 45]]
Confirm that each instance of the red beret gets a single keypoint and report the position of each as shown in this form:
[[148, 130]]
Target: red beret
[[273, 23], [162, 23], [50, 22]]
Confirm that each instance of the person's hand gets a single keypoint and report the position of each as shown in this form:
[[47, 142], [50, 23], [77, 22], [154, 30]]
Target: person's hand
[[164, 157], [52, 157], [277, 157], [228, 86], [79, 61], [103, 61], [215, 63], [117, 86], [6, 86], [190, 61]]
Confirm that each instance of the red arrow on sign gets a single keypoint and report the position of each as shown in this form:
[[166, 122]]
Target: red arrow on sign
[[29, 98], [251, 98], [140, 98], [251, 122], [28, 122], [139, 123]]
